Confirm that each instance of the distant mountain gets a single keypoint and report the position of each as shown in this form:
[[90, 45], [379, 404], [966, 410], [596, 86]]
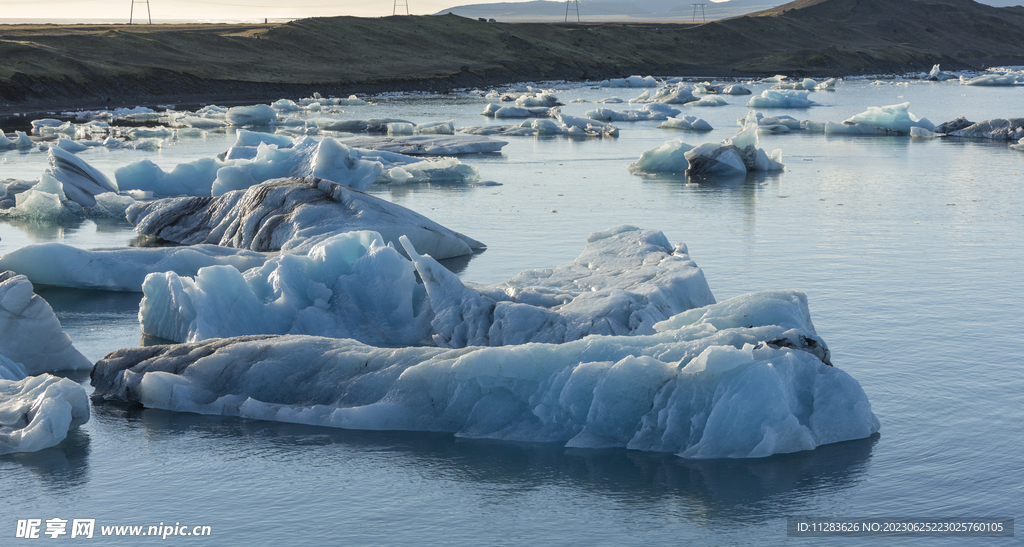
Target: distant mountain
[[666, 11]]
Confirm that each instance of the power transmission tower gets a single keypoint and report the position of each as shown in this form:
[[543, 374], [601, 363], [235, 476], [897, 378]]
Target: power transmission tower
[[574, 5], [701, 6], [403, 3], [131, 14]]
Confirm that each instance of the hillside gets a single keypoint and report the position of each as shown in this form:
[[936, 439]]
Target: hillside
[[42, 66]]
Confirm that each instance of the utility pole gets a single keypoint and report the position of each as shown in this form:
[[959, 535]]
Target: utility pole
[[131, 14], [701, 6], [572, 5]]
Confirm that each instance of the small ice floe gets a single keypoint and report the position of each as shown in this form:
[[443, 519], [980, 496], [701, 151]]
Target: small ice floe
[[881, 120], [737, 155], [989, 80], [773, 124], [37, 412], [69, 189], [710, 100], [291, 215], [680, 93], [254, 115], [809, 84], [747, 377], [568, 126], [781, 98], [20, 140], [538, 99], [430, 145], [372, 125], [722, 89], [494, 110], [32, 334], [936, 75], [632, 81], [1000, 129], [692, 123], [652, 111]]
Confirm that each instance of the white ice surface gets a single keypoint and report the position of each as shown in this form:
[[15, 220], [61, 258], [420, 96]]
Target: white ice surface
[[894, 117], [991, 80], [81, 181], [351, 285], [36, 412], [651, 111], [743, 378], [780, 98], [30, 333], [122, 269], [686, 122], [669, 157]]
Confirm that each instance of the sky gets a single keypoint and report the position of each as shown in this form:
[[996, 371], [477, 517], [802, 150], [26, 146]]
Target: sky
[[220, 10]]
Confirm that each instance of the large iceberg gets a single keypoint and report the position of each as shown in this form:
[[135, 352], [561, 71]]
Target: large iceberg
[[1011, 129], [81, 182], [121, 269], [291, 215], [36, 412], [31, 333], [744, 378], [354, 286]]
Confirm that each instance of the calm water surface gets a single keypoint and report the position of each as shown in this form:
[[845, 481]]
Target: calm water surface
[[910, 252]]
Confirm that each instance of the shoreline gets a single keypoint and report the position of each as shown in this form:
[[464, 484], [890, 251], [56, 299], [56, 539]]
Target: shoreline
[[53, 68]]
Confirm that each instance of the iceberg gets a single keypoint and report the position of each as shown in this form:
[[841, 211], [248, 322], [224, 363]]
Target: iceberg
[[686, 122], [373, 125], [260, 114], [989, 80], [937, 75], [1011, 129], [429, 145], [20, 140], [632, 81], [652, 111], [81, 182], [578, 127], [535, 99], [45, 201], [122, 269], [36, 412], [744, 378], [895, 118], [672, 94], [291, 215], [710, 100], [32, 335], [351, 285], [781, 98], [669, 157], [493, 110], [184, 179], [734, 156]]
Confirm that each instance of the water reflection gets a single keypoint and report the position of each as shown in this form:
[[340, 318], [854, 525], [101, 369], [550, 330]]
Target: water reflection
[[751, 490], [60, 468]]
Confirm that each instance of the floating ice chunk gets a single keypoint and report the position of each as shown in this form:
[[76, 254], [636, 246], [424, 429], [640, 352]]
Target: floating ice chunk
[[686, 122], [1019, 145], [735, 89], [260, 114], [200, 122], [185, 179], [737, 155], [673, 94], [69, 145], [291, 215], [430, 145], [781, 98], [669, 157], [809, 84], [625, 280], [812, 126], [610, 100], [32, 335], [777, 79], [891, 118], [937, 75], [652, 111], [38, 411], [429, 170], [991, 80], [110, 205], [373, 125], [997, 129], [20, 140], [149, 133], [632, 81], [351, 285], [285, 105], [121, 269], [436, 128], [538, 99], [589, 126], [81, 181], [327, 159], [351, 100], [711, 100], [244, 137], [699, 390], [922, 133], [500, 111], [401, 129]]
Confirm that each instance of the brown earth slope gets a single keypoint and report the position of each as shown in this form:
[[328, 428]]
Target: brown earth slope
[[42, 66]]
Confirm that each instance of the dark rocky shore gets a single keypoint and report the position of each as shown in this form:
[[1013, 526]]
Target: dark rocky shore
[[53, 67]]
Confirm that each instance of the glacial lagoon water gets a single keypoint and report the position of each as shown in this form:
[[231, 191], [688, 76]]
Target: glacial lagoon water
[[910, 251]]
